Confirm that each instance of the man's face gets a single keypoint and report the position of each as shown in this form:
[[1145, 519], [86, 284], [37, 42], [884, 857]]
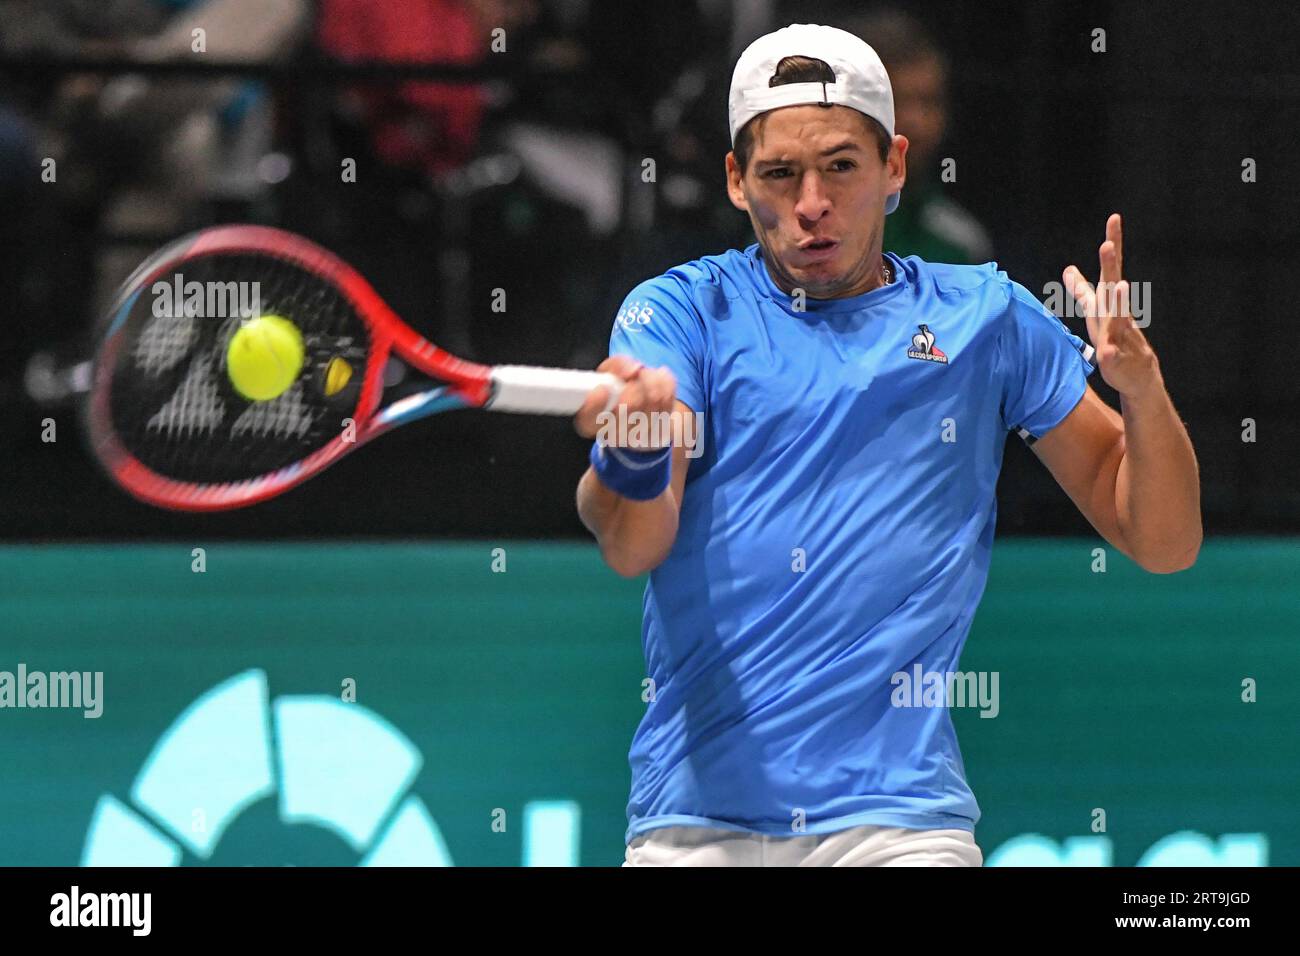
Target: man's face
[[815, 191], [920, 106]]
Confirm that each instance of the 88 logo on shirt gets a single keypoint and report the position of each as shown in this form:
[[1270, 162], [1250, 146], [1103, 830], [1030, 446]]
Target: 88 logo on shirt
[[634, 315]]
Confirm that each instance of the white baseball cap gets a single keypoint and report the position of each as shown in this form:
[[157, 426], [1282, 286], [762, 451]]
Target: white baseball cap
[[860, 78]]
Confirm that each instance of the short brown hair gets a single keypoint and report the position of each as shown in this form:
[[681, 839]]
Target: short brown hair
[[801, 69]]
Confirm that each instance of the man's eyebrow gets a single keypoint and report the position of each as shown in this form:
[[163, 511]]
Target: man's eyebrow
[[847, 146]]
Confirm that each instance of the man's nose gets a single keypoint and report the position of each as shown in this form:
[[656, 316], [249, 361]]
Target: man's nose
[[813, 202]]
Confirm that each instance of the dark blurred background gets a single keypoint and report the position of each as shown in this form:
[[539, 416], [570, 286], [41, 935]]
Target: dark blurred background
[[521, 169]]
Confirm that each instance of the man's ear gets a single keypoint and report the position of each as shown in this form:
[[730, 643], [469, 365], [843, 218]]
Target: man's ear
[[896, 163], [735, 192]]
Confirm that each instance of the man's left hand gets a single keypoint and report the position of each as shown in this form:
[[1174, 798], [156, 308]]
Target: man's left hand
[[1125, 358]]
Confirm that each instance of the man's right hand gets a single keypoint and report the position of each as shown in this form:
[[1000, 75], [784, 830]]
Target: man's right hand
[[647, 390]]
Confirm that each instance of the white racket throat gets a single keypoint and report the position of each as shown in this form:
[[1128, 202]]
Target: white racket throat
[[533, 390]]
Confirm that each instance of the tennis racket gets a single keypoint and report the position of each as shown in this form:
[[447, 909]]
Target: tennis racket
[[171, 428]]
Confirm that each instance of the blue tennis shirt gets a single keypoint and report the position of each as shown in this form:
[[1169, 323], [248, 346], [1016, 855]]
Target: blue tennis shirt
[[835, 531]]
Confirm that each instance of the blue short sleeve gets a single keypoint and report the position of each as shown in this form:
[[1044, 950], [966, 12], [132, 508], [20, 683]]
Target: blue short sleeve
[[658, 325], [1043, 366]]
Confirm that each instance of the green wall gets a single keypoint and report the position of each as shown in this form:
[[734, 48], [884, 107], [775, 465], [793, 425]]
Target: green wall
[[1118, 690]]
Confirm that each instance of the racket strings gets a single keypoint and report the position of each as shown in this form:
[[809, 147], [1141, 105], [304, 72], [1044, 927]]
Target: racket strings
[[172, 401], [164, 341], [289, 416], [196, 406]]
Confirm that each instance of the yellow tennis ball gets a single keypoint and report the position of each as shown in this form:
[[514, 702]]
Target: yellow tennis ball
[[264, 357]]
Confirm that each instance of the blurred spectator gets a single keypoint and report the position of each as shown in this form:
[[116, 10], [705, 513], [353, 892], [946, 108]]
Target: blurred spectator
[[151, 155], [429, 126], [17, 157], [407, 220], [19, 177], [927, 222]]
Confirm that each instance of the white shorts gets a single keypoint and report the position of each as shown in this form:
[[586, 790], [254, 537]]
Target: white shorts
[[859, 846]]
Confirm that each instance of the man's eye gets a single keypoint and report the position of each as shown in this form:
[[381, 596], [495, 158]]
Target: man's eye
[[843, 165], [780, 172]]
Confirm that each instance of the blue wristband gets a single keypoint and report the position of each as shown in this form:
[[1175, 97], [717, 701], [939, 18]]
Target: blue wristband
[[639, 475]]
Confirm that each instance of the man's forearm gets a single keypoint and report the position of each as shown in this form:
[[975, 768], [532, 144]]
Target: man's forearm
[[634, 536], [1157, 487]]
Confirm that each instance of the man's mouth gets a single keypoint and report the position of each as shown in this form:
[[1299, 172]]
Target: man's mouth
[[814, 250]]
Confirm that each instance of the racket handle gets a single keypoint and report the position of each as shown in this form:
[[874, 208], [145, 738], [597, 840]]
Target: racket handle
[[531, 390]]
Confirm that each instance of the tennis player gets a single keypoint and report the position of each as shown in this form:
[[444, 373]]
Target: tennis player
[[831, 527]]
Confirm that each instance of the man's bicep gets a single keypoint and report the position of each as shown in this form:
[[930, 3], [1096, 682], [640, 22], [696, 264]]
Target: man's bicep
[[1083, 454]]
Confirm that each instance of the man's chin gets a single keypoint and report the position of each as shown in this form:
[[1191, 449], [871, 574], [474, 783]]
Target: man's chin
[[823, 278], [820, 280]]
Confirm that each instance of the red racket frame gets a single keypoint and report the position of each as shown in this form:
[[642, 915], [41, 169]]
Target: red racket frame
[[470, 384]]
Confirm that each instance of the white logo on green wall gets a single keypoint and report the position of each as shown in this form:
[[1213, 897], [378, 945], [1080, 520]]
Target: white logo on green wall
[[335, 765]]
